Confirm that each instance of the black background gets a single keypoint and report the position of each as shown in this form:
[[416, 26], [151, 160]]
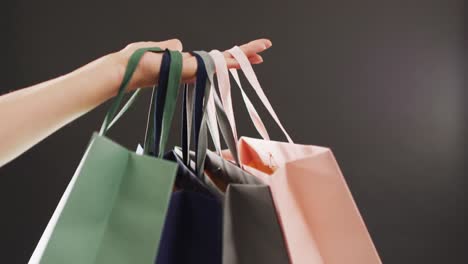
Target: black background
[[380, 82]]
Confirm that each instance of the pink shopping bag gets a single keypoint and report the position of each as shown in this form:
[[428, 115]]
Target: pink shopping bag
[[319, 218]]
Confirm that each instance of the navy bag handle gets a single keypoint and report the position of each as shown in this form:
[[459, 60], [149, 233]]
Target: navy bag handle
[[200, 90], [157, 107]]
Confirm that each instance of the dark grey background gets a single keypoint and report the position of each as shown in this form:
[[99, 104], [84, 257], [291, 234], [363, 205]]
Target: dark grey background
[[380, 82]]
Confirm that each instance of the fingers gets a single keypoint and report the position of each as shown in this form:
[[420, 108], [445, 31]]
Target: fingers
[[256, 59], [190, 65], [148, 68], [250, 49], [256, 46], [151, 61], [233, 64]]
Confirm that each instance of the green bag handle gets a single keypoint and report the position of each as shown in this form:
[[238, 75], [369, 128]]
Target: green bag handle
[[149, 131], [124, 109], [174, 79], [168, 106], [158, 96], [131, 67]]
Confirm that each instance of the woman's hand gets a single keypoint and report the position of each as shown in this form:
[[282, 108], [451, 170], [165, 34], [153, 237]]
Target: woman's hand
[[35, 112], [147, 72]]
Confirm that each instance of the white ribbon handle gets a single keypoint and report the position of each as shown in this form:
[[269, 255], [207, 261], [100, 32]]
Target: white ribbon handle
[[249, 73], [226, 97], [212, 122], [224, 87], [254, 116]]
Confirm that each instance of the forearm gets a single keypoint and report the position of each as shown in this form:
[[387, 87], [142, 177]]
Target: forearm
[[31, 114]]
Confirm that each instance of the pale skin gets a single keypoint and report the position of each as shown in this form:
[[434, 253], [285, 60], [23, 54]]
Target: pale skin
[[31, 114]]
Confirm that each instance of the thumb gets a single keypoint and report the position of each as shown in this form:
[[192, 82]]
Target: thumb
[[172, 44]]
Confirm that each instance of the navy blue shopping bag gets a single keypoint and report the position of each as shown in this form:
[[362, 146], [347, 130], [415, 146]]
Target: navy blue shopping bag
[[193, 226]]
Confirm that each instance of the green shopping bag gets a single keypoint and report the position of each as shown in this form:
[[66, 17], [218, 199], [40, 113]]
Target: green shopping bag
[[114, 208]]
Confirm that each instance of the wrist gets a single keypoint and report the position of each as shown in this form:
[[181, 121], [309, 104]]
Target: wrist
[[116, 64]]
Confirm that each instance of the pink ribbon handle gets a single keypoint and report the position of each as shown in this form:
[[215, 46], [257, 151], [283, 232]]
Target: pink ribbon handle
[[249, 73], [224, 87], [226, 97], [254, 116]]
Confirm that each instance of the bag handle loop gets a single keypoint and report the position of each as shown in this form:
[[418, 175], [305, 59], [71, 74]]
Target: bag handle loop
[[129, 71], [249, 73]]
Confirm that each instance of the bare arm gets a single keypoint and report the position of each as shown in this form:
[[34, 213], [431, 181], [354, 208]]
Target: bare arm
[[31, 114]]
